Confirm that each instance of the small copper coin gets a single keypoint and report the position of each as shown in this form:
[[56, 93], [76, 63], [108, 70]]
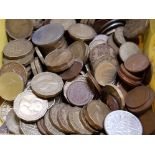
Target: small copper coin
[[47, 84], [96, 112], [79, 93], [128, 49], [137, 63], [75, 123], [73, 71]]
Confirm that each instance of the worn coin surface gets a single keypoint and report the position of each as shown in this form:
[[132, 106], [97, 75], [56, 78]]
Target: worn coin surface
[[121, 122], [29, 107], [47, 84], [3, 129]]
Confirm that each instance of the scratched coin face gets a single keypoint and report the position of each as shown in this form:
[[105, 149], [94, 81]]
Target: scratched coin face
[[121, 122], [29, 107]]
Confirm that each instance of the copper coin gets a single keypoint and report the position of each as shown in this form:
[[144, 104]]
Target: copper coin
[[128, 49], [40, 127], [29, 128], [75, 123], [137, 63], [81, 32], [79, 93], [62, 119], [137, 97], [50, 127], [17, 49], [15, 67], [38, 65], [12, 123], [47, 84], [147, 120], [96, 112], [119, 36], [135, 27], [40, 56], [54, 116], [48, 34], [19, 28], [73, 71], [3, 129], [122, 88]]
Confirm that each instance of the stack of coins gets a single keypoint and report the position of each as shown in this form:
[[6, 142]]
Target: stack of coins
[[95, 85]]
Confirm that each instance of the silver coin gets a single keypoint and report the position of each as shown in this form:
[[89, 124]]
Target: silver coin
[[29, 107], [121, 122], [12, 123], [3, 129], [29, 128], [53, 101]]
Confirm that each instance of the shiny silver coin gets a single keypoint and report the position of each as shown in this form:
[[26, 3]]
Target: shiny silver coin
[[121, 122]]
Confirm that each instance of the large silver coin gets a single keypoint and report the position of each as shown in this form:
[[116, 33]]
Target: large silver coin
[[121, 122], [29, 107]]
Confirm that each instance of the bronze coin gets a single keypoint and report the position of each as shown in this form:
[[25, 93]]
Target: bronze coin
[[73, 71], [15, 67], [96, 111], [75, 123], [62, 119], [137, 97], [79, 93], [137, 63]]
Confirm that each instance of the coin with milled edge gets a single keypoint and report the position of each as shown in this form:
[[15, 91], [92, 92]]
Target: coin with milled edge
[[29, 107], [121, 122], [47, 84]]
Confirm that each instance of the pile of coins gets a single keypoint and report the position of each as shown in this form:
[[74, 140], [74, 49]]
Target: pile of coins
[[67, 76]]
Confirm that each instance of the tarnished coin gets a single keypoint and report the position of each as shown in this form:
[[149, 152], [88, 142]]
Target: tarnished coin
[[29, 107], [81, 32], [127, 49], [38, 65], [95, 113], [11, 84], [12, 123], [50, 127], [40, 56], [18, 49], [121, 122], [47, 84], [15, 67], [75, 123], [19, 28], [3, 129], [5, 107], [29, 128]]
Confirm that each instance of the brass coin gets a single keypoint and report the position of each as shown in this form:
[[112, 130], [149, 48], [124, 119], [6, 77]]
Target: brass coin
[[15, 67], [11, 84]]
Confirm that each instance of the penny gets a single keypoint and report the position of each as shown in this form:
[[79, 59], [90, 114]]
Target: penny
[[118, 36], [66, 23], [53, 115], [17, 49], [73, 71], [40, 56], [15, 67], [29, 128], [59, 60], [121, 122], [137, 63], [95, 113], [41, 127], [12, 123], [3, 129], [75, 123], [128, 49], [81, 32], [49, 126], [5, 107], [105, 73], [33, 68], [11, 84], [29, 107], [19, 28], [147, 120], [38, 65], [135, 27], [62, 118], [47, 84], [79, 93]]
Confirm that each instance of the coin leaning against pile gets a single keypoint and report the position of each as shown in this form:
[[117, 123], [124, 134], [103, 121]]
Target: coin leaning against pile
[[88, 77]]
